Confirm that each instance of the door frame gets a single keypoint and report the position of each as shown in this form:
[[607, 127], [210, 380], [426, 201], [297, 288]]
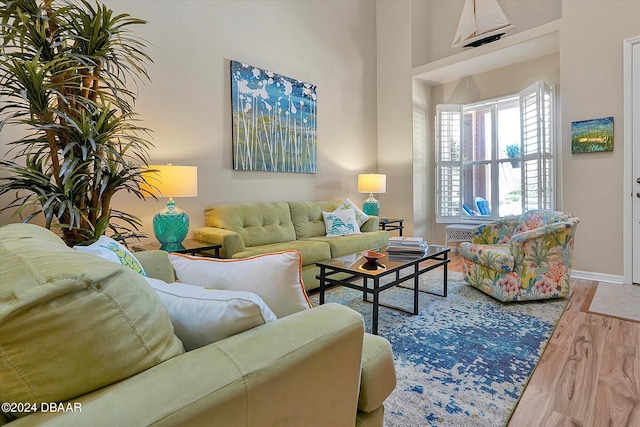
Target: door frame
[[628, 247]]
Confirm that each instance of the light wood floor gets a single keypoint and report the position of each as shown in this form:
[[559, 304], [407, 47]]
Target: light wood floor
[[589, 374]]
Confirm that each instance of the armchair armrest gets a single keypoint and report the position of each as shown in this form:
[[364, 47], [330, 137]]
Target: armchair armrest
[[230, 240], [495, 232], [561, 231], [275, 374]]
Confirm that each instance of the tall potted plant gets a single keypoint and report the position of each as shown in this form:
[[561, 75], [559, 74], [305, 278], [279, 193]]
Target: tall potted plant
[[66, 70]]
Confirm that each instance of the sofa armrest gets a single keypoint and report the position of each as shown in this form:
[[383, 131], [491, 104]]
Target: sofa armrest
[[371, 224], [230, 240], [300, 370], [157, 265]]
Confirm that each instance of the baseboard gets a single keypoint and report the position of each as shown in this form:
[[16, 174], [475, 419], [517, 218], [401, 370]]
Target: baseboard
[[597, 277]]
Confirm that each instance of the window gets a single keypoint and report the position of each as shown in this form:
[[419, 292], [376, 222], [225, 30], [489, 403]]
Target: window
[[495, 158]]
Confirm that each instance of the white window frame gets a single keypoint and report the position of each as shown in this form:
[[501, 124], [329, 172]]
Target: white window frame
[[536, 151]]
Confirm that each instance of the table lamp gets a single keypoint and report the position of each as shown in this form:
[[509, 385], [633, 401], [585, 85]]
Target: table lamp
[[171, 224], [372, 183]]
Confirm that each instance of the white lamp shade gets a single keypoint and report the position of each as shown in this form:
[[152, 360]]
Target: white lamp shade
[[372, 183], [171, 181]]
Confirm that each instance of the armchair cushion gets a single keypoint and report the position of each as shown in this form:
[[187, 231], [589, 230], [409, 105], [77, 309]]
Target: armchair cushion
[[495, 257], [495, 232]]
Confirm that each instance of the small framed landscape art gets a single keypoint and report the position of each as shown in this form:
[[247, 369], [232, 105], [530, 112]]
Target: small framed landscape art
[[590, 136], [274, 121]]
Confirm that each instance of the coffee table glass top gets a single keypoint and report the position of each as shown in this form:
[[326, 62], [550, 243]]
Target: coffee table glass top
[[356, 263]]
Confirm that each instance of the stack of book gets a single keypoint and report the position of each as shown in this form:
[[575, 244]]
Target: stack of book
[[410, 247]]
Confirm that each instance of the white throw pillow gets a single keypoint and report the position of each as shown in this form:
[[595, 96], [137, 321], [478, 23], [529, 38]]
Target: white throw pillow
[[361, 217], [202, 316], [107, 248], [340, 223], [275, 277]]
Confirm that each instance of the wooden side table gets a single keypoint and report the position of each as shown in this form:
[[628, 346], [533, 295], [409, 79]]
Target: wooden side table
[[392, 224], [191, 247]]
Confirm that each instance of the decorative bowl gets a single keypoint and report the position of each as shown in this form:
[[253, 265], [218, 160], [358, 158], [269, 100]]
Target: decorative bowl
[[372, 256]]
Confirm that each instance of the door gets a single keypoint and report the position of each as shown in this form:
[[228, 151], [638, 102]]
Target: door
[[635, 147]]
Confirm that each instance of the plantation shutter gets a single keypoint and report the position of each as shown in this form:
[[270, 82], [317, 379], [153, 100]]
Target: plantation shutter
[[536, 115], [448, 163]]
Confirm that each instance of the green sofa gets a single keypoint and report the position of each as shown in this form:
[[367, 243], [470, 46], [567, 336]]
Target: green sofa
[[93, 335], [248, 229]]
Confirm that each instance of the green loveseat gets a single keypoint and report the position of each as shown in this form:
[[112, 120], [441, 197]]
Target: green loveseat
[[93, 335], [248, 229]]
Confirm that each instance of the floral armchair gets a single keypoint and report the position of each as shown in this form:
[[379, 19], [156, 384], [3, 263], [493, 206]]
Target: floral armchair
[[522, 258]]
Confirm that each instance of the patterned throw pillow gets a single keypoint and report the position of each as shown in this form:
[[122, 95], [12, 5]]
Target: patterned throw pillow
[[340, 223], [107, 248], [361, 217]]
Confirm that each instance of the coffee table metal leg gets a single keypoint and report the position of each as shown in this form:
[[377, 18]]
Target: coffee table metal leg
[[445, 273], [416, 288], [376, 304], [321, 290]]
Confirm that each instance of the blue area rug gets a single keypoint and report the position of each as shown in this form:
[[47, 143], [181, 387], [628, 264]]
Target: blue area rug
[[464, 360]]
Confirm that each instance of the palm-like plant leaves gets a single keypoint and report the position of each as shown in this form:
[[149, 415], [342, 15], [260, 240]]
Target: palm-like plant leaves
[[65, 67]]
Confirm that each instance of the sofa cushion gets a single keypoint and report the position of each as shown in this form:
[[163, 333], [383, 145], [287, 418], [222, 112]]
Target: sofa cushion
[[71, 322], [203, 316], [307, 217], [257, 223], [340, 223], [276, 277], [346, 245], [312, 251]]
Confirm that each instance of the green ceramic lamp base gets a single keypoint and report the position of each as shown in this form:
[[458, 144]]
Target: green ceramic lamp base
[[170, 226], [371, 206]]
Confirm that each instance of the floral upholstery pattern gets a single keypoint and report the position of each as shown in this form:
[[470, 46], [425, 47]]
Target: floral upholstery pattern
[[522, 258], [495, 257]]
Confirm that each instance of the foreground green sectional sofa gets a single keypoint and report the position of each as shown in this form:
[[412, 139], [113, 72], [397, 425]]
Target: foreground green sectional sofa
[[87, 342], [248, 229]]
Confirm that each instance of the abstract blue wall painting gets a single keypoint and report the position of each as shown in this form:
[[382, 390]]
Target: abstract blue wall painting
[[588, 136], [274, 121]]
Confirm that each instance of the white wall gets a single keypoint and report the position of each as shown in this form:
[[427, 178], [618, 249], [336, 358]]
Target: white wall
[[395, 153], [187, 104], [590, 86], [591, 67], [366, 98]]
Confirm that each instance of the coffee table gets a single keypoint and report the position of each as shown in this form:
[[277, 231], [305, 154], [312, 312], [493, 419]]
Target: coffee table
[[191, 247], [400, 270]]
